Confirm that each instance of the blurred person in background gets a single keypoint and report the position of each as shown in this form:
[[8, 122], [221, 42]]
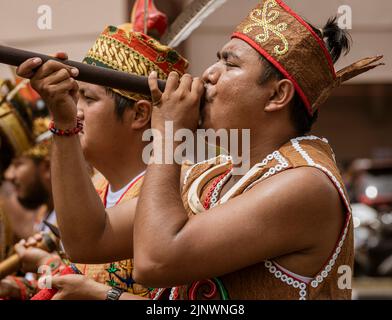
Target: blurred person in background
[[112, 119]]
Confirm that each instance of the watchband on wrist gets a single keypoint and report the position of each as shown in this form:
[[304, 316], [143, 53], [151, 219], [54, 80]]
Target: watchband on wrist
[[114, 294]]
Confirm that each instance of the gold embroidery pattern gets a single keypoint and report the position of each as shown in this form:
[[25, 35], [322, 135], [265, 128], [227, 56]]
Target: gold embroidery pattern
[[120, 57], [267, 18]]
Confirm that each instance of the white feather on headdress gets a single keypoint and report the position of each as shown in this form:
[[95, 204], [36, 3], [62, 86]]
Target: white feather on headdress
[[189, 20]]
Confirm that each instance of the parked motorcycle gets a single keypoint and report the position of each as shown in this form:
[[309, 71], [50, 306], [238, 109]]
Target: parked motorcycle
[[370, 189]]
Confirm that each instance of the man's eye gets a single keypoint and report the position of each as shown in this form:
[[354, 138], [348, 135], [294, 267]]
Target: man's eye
[[89, 99], [229, 64]]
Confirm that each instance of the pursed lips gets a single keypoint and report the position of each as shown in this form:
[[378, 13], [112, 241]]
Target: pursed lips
[[82, 131]]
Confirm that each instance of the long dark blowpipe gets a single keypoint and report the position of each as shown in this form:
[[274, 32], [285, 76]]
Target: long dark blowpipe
[[87, 73]]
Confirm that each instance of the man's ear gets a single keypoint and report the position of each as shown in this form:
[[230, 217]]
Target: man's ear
[[281, 94], [141, 114]]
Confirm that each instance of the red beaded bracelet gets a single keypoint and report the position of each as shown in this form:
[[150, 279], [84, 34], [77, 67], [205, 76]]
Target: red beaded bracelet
[[68, 132]]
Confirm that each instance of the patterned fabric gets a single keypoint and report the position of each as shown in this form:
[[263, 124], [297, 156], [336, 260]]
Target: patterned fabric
[[135, 53], [266, 280], [291, 45], [116, 274]]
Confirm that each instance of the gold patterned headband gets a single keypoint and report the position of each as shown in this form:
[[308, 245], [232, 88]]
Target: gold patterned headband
[[283, 38]]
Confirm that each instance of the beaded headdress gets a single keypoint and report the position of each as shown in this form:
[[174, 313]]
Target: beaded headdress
[[42, 140], [283, 38], [136, 53], [15, 120]]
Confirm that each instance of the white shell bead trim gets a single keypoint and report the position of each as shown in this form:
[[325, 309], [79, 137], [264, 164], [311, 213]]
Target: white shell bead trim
[[296, 284], [282, 164], [219, 186], [325, 272], [255, 169], [159, 293]]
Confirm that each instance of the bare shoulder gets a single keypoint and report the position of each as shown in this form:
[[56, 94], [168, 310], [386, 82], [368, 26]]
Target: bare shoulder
[[305, 183], [306, 198]]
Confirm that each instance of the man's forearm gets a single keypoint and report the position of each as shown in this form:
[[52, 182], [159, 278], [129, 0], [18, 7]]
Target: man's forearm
[[158, 219], [80, 212]]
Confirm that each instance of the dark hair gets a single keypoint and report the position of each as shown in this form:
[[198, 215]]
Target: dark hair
[[337, 41], [120, 103]]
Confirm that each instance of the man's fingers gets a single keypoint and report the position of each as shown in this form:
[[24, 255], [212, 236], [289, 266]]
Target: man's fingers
[[31, 242], [38, 237], [198, 87], [53, 66], [186, 83], [20, 249], [172, 82], [26, 69], [21, 243], [57, 77], [67, 85], [156, 94]]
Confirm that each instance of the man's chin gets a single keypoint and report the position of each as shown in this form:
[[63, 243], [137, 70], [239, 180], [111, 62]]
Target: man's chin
[[207, 123], [83, 144], [204, 125]]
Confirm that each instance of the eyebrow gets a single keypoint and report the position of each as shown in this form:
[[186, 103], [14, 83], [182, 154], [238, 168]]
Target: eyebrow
[[227, 54], [85, 91]]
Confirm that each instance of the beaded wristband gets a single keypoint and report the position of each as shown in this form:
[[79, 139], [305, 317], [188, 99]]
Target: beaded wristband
[[68, 132]]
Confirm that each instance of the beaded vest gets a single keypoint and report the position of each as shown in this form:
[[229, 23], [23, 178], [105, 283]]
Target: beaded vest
[[116, 274], [267, 280]]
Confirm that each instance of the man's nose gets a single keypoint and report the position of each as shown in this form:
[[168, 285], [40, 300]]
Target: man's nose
[[9, 174], [80, 113], [211, 75]]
